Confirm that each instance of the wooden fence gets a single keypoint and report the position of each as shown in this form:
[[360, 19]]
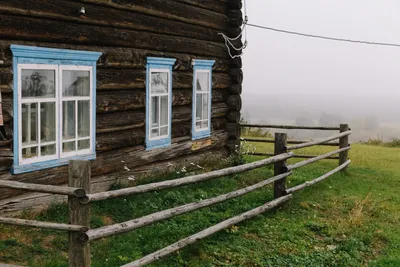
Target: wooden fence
[[79, 199]]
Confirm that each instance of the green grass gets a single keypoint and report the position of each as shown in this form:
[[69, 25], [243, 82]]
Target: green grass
[[348, 220]]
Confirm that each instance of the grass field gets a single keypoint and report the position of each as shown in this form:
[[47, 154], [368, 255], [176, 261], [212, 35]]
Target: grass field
[[350, 219]]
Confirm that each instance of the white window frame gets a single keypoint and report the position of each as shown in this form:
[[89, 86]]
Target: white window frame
[[151, 95], [208, 92], [58, 103]]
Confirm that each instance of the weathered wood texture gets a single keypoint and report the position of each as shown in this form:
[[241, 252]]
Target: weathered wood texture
[[127, 32], [280, 166], [344, 143], [207, 232], [291, 127], [44, 225], [79, 174], [321, 141], [128, 226]]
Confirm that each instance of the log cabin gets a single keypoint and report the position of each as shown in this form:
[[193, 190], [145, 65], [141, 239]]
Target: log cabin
[[135, 87]]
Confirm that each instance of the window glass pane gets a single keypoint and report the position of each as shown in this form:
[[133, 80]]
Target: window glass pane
[[48, 150], [203, 81], [68, 146], [198, 125], [159, 82], [38, 83], [154, 112], [198, 106], [29, 124], [83, 118], [68, 120], [48, 122], [30, 152], [83, 144], [75, 83], [204, 124], [154, 132], [205, 107], [164, 111], [164, 131]]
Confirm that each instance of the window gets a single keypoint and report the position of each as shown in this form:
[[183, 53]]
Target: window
[[158, 102], [54, 107], [201, 117]]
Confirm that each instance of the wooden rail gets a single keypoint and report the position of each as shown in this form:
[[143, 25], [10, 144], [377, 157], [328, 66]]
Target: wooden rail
[[207, 232], [186, 180], [291, 127], [262, 140], [44, 225], [301, 156], [319, 142]]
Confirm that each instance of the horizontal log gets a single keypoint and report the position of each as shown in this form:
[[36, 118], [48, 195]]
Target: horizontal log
[[44, 225], [315, 159], [187, 180], [117, 57], [291, 127], [207, 232], [263, 140], [235, 17], [301, 156], [235, 4], [236, 62], [133, 135], [235, 89], [106, 16], [128, 226], [319, 179], [114, 161], [233, 130], [318, 142], [171, 10], [34, 29], [216, 6], [234, 116], [61, 190], [234, 102], [129, 100]]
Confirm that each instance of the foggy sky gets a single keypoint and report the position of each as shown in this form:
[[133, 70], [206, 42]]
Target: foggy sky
[[280, 63]]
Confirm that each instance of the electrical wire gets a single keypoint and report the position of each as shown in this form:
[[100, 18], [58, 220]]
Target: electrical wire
[[323, 37]]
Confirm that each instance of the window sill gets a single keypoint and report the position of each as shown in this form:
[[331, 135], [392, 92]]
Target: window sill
[[49, 164], [201, 135]]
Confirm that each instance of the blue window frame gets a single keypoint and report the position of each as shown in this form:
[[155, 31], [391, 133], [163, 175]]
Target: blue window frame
[[158, 102], [54, 106], [202, 90]]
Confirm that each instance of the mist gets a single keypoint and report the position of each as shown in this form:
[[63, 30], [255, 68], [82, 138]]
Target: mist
[[292, 80]]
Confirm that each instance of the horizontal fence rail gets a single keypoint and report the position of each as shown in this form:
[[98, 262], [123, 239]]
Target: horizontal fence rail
[[319, 179], [293, 156], [207, 232], [44, 225], [186, 180], [316, 158], [52, 189], [262, 140], [162, 215], [290, 127], [318, 142]]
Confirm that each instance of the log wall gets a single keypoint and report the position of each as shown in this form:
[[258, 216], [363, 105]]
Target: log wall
[[126, 32]]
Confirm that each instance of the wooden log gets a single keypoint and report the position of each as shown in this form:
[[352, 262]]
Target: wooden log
[[130, 225], [186, 180], [318, 142], [236, 76], [171, 10], [280, 166], [343, 143], [235, 17], [294, 155], [289, 127], [219, 110], [235, 89], [315, 159], [233, 130], [263, 140], [233, 145], [68, 191], [319, 179], [44, 225], [207, 232], [234, 116], [216, 6], [117, 57], [79, 173], [41, 30], [106, 16], [235, 4], [234, 102], [236, 62]]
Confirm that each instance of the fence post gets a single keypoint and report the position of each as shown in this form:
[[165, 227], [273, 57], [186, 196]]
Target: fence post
[[343, 142], [79, 173], [280, 167]]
